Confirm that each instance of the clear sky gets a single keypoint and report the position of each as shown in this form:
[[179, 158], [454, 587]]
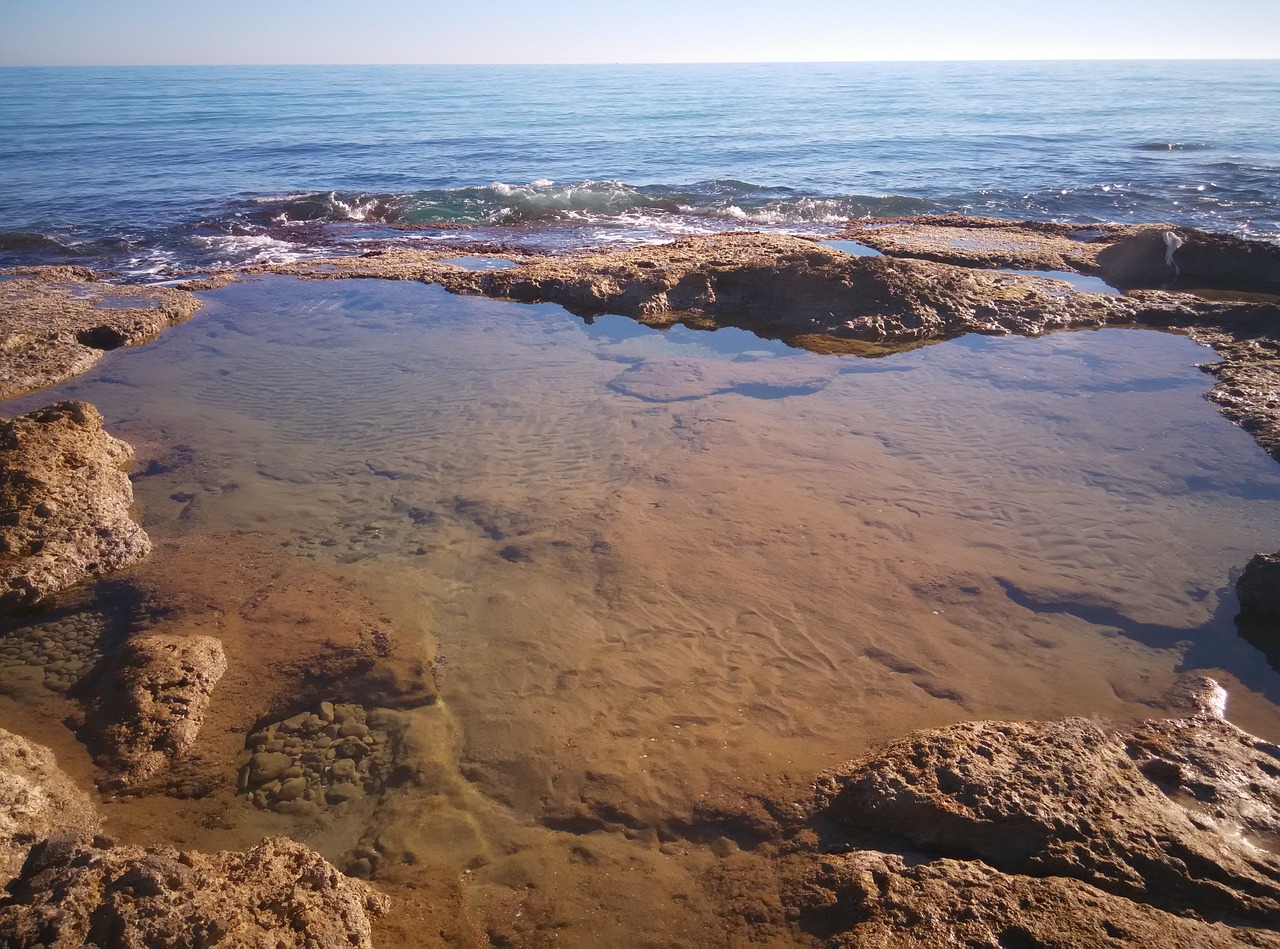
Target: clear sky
[[163, 32]]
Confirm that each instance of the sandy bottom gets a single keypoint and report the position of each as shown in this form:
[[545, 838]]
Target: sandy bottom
[[652, 572]]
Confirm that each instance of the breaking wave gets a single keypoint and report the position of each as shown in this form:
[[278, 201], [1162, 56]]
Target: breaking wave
[[544, 201]]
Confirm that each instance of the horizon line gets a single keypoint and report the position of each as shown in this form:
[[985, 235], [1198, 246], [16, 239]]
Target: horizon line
[[680, 62]]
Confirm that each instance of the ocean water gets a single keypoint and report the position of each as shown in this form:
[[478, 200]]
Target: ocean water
[[151, 170]]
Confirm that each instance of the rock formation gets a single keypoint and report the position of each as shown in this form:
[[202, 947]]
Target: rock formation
[[1061, 833], [56, 322], [151, 704], [69, 887], [37, 800], [278, 893], [1127, 256], [1259, 591], [64, 504]]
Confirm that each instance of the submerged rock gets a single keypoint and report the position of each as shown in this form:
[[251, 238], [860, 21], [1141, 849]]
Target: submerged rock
[[680, 380], [64, 504], [314, 759], [152, 703]]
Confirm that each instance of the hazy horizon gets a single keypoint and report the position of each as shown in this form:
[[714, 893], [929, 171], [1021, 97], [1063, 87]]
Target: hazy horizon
[[582, 32]]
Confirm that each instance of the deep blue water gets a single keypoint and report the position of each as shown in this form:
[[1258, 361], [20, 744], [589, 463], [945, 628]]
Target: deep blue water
[[150, 169]]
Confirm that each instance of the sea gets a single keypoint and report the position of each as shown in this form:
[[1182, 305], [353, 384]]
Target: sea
[[152, 172]]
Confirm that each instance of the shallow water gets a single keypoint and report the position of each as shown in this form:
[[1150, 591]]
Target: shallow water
[[663, 565]]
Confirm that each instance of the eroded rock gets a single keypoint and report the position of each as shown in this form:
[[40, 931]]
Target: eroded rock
[[989, 242], [68, 886], [1127, 256], [1259, 591], [64, 504], [1174, 814], [278, 893], [152, 703], [868, 898], [37, 800], [56, 322]]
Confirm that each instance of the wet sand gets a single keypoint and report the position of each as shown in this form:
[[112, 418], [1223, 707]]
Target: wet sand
[[652, 573]]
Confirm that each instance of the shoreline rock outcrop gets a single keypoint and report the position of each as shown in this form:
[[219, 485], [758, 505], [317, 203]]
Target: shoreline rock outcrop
[[1064, 833], [69, 886], [56, 322], [37, 800], [1127, 256], [64, 504]]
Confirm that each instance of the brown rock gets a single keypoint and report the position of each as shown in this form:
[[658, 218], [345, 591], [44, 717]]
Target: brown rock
[[989, 242], [1126, 256], [873, 899], [1199, 261], [152, 702], [64, 504], [56, 322], [277, 893], [1259, 591], [37, 800], [1176, 814], [1259, 588]]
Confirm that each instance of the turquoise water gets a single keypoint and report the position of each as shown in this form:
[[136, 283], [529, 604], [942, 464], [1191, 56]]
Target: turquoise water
[[151, 169]]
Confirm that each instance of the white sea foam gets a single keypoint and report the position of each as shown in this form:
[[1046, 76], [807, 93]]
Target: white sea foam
[[238, 249]]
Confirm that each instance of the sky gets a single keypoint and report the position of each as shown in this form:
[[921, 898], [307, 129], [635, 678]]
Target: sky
[[194, 32]]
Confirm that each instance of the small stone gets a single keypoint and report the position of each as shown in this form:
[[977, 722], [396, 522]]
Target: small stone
[[723, 847], [292, 789], [352, 748], [326, 711], [300, 808], [360, 868], [344, 769], [267, 766], [353, 729], [338, 793]]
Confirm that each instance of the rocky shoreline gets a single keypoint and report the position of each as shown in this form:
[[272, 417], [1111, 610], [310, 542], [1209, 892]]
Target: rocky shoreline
[[991, 833]]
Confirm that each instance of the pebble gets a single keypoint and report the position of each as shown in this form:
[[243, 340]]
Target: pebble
[[314, 759], [66, 648]]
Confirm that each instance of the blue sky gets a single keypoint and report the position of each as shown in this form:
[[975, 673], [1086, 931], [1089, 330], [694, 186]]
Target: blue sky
[[126, 32]]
